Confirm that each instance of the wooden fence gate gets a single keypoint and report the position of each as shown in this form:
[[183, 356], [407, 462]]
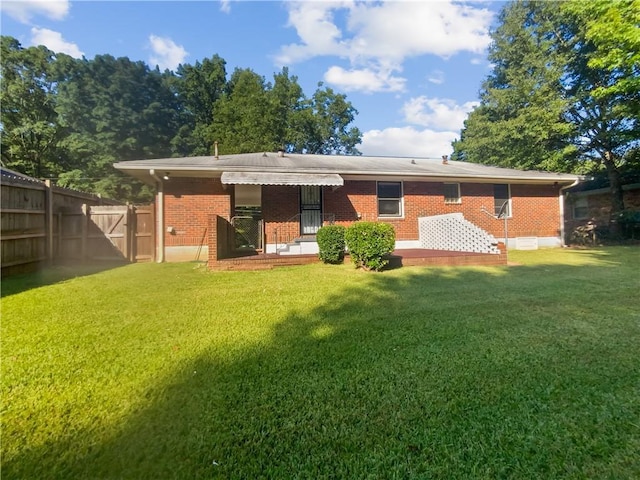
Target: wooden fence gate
[[113, 232]]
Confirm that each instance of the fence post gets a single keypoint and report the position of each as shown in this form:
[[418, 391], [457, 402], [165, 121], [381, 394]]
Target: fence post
[[128, 232], [58, 243], [85, 225], [48, 221]]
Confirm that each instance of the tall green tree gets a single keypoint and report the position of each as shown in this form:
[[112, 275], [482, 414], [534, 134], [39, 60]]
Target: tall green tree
[[114, 109], [198, 87], [614, 29], [242, 116], [72, 119], [29, 130], [324, 127], [255, 115], [520, 122], [550, 102], [287, 104]]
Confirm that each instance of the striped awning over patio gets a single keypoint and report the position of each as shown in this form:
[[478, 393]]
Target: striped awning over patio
[[272, 178]]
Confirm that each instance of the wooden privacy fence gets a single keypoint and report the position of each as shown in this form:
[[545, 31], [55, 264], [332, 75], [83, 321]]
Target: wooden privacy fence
[[105, 232], [42, 223]]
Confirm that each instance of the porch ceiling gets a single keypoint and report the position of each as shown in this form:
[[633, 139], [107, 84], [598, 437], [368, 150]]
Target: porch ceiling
[[271, 178]]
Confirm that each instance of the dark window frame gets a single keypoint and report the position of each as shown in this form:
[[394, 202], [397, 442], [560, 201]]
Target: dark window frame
[[390, 198], [452, 200], [580, 212], [499, 197]]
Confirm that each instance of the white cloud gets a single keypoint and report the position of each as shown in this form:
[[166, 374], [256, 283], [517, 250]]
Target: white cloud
[[384, 34], [438, 113], [225, 6], [364, 80], [441, 119], [390, 31], [54, 42], [24, 10], [407, 142], [166, 54], [437, 77], [396, 30], [319, 35]]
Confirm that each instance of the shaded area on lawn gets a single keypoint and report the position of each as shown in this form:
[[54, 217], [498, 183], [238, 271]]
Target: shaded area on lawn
[[49, 275], [438, 373]]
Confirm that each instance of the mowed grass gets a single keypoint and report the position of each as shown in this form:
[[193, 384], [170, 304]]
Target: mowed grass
[[169, 371]]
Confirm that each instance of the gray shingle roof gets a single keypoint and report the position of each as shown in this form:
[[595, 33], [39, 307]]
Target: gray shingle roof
[[346, 166]]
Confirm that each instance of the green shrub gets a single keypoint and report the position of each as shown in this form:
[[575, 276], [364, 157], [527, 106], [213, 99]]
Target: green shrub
[[630, 223], [331, 243], [369, 243]]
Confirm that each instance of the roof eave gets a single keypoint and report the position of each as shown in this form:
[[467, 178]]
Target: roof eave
[[215, 171]]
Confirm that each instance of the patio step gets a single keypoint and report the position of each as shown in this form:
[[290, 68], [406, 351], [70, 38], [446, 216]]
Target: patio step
[[305, 245]]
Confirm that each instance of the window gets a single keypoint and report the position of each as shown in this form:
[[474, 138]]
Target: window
[[501, 200], [452, 193], [581, 208], [390, 199]]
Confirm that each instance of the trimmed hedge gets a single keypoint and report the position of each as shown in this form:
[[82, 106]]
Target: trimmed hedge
[[369, 243], [331, 243]]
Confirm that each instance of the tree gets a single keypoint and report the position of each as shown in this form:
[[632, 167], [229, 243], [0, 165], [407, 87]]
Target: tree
[[324, 126], [287, 104], [549, 102], [114, 110], [520, 122], [254, 115], [198, 87], [29, 130], [614, 29], [242, 119], [72, 119]]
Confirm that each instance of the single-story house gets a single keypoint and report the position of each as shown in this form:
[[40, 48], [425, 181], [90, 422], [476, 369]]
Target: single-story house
[[276, 202], [589, 203]]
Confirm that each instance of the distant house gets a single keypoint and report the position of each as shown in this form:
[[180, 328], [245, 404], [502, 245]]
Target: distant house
[[590, 201], [276, 202]]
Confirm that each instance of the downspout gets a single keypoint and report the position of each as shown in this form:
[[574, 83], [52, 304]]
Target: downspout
[[160, 212], [561, 202]]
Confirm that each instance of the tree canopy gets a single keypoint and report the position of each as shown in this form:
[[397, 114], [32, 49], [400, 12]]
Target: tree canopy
[[71, 119], [563, 94]]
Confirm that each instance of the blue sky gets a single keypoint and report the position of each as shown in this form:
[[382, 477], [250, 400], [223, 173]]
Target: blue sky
[[412, 69]]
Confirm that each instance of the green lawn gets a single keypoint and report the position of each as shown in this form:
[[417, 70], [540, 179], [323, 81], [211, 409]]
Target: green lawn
[[322, 371]]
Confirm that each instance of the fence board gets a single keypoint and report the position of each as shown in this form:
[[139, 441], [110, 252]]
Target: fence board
[[143, 248], [40, 222]]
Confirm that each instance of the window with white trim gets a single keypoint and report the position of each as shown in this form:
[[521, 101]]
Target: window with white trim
[[452, 193], [389, 199], [502, 200], [581, 208]]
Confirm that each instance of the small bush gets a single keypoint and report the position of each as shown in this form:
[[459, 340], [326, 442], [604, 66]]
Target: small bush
[[369, 243], [331, 243], [630, 223]]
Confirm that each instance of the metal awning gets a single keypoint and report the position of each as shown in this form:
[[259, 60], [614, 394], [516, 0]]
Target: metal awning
[[271, 178]]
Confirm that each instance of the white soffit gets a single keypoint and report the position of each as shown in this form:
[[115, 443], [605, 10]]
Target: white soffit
[[271, 178]]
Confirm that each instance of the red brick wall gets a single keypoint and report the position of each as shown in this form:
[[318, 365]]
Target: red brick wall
[[188, 204], [535, 208], [599, 206], [280, 205]]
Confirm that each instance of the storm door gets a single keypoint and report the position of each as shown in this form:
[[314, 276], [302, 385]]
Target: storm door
[[310, 209]]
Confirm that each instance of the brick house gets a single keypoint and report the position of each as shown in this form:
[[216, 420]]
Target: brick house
[[276, 202], [590, 202]]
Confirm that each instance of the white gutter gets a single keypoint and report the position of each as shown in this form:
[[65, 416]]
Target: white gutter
[[561, 202], [160, 214]]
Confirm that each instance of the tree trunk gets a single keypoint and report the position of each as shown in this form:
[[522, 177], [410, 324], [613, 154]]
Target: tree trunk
[[617, 199]]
